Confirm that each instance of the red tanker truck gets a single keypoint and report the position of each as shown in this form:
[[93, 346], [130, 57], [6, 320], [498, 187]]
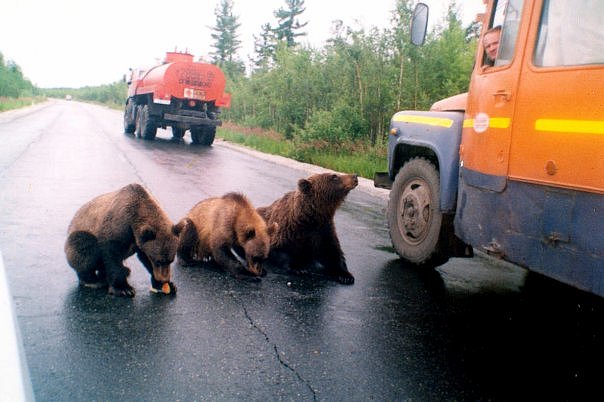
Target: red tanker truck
[[179, 93]]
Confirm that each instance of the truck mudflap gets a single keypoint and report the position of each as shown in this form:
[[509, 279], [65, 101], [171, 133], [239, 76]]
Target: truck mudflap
[[192, 120]]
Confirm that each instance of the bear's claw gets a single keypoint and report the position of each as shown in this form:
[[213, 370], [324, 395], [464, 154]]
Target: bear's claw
[[125, 292], [345, 279]]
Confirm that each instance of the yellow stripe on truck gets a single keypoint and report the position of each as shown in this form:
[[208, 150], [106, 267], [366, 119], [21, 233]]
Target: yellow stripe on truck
[[430, 121], [570, 126], [494, 122]]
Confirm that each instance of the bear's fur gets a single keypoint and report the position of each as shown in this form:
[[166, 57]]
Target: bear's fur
[[230, 231], [306, 231], [113, 226]]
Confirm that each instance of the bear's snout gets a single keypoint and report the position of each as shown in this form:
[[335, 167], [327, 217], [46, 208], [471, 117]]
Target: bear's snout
[[254, 265], [350, 181], [161, 273]]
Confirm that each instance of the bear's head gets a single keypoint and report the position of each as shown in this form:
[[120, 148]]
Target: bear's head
[[253, 241], [159, 245], [326, 191]]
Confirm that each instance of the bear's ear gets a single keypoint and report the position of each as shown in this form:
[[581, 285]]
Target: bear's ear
[[272, 229], [147, 234], [304, 185], [176, 229]]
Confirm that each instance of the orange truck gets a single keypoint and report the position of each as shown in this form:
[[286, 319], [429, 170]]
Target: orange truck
[[515, 166], [179, 93]]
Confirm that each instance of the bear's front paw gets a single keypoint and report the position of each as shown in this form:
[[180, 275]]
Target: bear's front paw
[[168, 288], [125, 291]]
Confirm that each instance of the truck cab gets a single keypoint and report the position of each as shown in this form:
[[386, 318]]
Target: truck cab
[[514, 167]]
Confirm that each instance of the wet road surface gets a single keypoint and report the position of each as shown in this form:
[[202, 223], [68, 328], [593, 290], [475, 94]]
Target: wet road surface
[[471, 330]]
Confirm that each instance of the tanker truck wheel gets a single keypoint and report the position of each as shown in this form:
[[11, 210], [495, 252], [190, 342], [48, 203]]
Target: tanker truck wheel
[[147, 129], [130, 117], [203, 135], [418, 230], [178, 133]]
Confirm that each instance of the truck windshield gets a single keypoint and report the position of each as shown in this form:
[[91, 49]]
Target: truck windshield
[[570, 33]]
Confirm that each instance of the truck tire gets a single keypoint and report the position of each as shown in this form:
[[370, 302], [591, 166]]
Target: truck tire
[[145, 127], [418, 231], [130, 117], [203, 135], [178, 133]]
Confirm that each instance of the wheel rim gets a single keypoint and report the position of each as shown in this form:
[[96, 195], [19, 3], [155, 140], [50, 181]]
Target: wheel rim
[[414, 211]]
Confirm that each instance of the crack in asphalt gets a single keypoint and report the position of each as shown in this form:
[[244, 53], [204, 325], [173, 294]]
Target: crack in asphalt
[[279, 358]]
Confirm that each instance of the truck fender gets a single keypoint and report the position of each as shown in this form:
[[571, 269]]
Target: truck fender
[[434, 135]]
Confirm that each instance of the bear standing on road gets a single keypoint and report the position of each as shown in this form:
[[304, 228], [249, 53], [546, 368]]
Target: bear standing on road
[[229, 230], [113, 226], [306, 231]]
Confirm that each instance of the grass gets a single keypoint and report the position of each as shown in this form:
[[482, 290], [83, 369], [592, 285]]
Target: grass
[[16, 103], [361, 159]]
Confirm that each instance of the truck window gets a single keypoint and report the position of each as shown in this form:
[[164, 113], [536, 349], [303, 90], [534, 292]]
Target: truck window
[[570, 33], [507, 14], [505, 20]]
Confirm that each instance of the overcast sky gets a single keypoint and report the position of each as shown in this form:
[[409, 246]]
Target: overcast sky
[[75, 43]]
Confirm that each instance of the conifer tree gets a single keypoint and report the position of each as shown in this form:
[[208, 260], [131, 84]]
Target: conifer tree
[[226, 42], [288, 24], [264, 47]]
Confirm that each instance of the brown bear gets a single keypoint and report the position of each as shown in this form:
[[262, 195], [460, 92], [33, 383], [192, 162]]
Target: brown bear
[[228, 230], [306, 231], [113, 226]]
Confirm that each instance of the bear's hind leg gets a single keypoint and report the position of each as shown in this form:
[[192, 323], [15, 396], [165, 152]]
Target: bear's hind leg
[[84, 256]]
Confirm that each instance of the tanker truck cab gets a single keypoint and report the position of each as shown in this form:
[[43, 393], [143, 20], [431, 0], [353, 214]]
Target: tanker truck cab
[[514, 167]]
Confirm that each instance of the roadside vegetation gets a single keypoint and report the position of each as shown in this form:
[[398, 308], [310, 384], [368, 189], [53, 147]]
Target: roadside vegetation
[[112, 95], [328, 106], [15, 90], [331, 106]]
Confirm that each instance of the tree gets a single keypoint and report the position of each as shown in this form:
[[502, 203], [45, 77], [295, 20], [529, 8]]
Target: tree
[[447, 61], [265, 47], [225, 38], [12, 82], [288, 23]]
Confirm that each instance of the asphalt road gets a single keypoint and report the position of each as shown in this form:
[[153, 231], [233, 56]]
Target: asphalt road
[[473, 329]]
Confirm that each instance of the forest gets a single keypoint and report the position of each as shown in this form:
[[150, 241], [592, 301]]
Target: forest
[[338, 98], [349, 89], [15, 89]]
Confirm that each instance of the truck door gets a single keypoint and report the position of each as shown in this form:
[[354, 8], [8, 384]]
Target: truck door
[[487, 133], [558, 140]]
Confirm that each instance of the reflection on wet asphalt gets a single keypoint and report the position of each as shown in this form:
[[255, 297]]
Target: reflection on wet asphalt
[[469, 330]]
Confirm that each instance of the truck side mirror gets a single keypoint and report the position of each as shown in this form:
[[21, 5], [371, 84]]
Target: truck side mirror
[[419, 24]]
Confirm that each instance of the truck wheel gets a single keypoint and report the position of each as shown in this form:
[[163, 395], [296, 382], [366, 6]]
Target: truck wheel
[[203, 135], [178, 133], [130, 117], [146, 125], [417, 228], [137, 128]]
